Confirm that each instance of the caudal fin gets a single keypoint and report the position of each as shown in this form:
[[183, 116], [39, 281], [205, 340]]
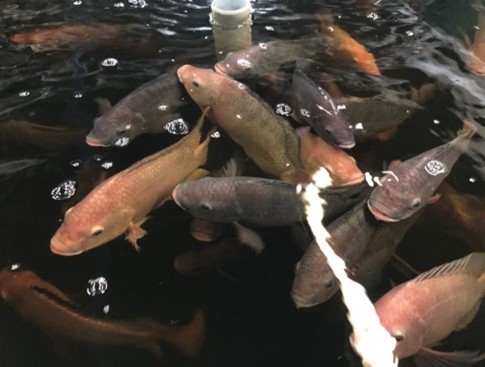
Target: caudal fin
[[432, 358], [469, 129]]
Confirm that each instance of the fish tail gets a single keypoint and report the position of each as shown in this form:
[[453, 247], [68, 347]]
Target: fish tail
[[188, 339]]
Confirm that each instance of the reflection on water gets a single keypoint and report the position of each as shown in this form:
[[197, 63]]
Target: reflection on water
[[106, 49]]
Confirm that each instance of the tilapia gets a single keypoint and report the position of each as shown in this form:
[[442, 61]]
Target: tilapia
[[426, 309], [266, 138], [316, 153], [42, 304], [268, 57], [314, 281], [122, 202], [412, 183], [25, 139], [210, 257], [345, 50], [317, 109], [148, 109], [368, 268], [258, 202]]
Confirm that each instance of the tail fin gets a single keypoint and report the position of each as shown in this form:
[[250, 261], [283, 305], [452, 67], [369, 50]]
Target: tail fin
[[469, 129]]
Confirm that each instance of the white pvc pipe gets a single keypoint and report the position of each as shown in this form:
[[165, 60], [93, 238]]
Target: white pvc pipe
[[231, 25]]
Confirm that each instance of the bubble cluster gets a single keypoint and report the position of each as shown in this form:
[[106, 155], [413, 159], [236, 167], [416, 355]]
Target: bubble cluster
[[65, 190], [97, 286]]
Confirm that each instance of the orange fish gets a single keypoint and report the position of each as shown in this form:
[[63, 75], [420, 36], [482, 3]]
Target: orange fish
[[122, 202], [346, 49], [316, 152]]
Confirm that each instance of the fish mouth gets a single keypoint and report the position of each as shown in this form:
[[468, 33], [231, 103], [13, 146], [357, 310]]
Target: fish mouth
[[94, 143], [175, 199], [380, 215], [57, 247], [300, 302], [219, 68], [347, 145]]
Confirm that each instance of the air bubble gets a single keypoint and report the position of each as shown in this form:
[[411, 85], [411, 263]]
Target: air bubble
[[122, 142], [283, 109], [177, 127], [65, 190], [97, 286], [109, 62], [216, 134], [76, 163], [77, 2], [107, 165], [24, 93], [78, 95], [119, 5]]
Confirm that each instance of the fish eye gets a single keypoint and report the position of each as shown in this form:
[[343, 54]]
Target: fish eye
[[398, 337], [195, 84], [205, 207], [120, 131], [96, 231], [328, 283], [327, 132], [415, 203]]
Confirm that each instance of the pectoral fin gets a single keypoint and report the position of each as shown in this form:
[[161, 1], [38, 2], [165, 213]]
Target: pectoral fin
[[134, 232], [434, 198], [432, 358], [249, 237]]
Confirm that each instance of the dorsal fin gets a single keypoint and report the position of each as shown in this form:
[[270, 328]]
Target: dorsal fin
[[473, 264]]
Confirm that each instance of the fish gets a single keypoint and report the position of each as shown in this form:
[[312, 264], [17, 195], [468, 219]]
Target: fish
[[345, 49], [317, 108], [121, 203], [314, 282], [25, 139], [457, 215], [268, 57], [376, 117], [412, 183], [316, 152], [148, 109], [425, 310], [208, 258], [266, 138], [47, 307], [368, 268], [475, 59], [10, 167], [258, 202]]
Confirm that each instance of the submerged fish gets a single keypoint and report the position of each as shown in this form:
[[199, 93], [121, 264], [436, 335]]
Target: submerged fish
[[122, 202], [267, 139], [210, 257], [25, 139], [45, 306], [413, 182], [257, 202], [426, 309], [147, 109], [19, 165], [265, 58], [314, 281], [344, 49], [316, 108], [316, 153]]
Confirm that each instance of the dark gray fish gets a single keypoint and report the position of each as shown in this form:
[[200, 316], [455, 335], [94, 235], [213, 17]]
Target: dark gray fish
[[367, 270], [314, 281], [316, 107], [413, 182], [45, 306], [19, 165], [268, 57], [148, 109], [258, 202]]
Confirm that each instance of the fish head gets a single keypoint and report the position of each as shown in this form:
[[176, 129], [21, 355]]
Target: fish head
[[211, 199], [82, 229], [201, 84], [398, 197], [117, 127], [312, 287], [14, 282], [240, 64]]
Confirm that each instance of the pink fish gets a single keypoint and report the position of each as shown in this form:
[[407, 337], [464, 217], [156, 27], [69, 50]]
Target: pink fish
[[426, 309], [121, 203]]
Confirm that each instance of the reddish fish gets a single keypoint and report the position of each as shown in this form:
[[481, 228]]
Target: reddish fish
[[316, 152], [122, 202], [267, 139], [426, 309], [412, 183], [45, 306], [345, 49]]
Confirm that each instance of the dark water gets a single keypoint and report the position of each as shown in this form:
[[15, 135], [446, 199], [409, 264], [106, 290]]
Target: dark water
[[251, 320]]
